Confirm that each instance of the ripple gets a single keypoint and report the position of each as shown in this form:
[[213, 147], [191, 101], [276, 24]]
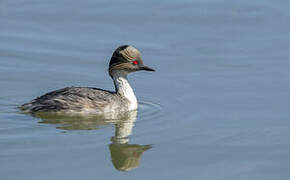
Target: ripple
[[8, 104], [149, 110]]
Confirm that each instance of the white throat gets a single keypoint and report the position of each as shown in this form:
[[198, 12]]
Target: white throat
[[124, 89]]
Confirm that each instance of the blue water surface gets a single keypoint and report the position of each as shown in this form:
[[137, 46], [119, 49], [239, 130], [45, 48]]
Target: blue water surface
[[217, 106]]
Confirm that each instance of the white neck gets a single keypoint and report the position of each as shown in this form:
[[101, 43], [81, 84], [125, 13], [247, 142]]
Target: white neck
[[124, 89]]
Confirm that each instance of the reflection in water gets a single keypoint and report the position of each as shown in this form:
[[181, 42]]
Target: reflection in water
[[125, 156]]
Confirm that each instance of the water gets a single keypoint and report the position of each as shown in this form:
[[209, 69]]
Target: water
[[216, 108]]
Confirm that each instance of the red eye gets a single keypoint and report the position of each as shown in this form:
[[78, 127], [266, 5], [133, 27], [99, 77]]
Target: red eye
[[135, 62]]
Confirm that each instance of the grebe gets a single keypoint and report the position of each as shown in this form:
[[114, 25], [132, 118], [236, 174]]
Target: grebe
[[125, 59]]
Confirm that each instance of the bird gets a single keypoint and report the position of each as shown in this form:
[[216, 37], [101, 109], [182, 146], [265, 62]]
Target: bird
[[125, 59]]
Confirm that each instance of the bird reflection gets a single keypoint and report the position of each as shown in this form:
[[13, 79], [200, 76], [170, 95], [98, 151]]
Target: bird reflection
[[124, 156]]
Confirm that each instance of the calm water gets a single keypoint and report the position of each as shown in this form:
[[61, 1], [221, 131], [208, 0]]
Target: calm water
[[216, 108]]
